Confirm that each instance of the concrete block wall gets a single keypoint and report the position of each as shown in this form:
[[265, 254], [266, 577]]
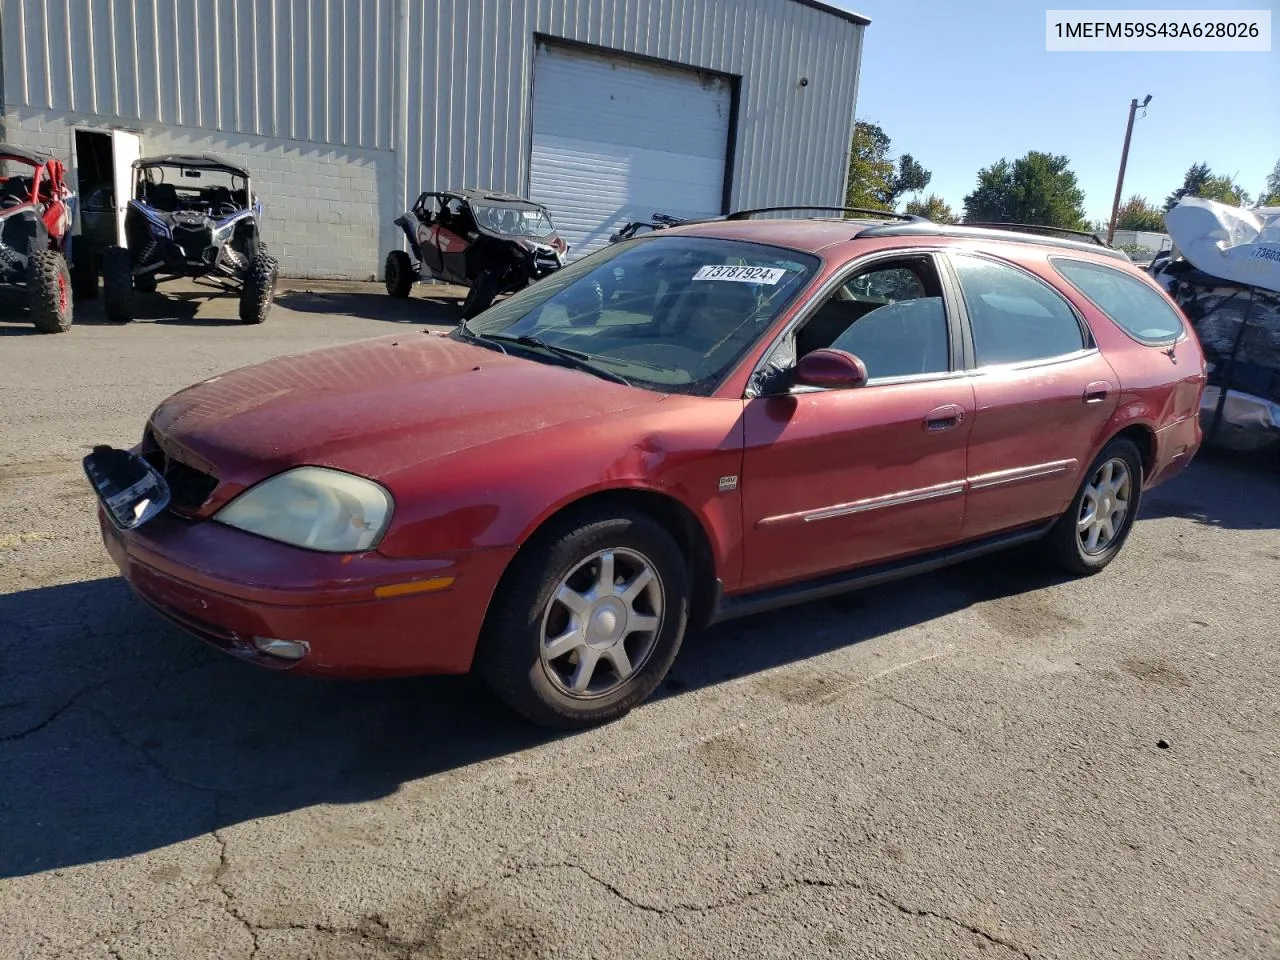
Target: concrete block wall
[[328, 211]]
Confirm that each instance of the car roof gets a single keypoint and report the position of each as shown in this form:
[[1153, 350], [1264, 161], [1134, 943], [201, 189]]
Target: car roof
[[492, 196], [195, 161], [34, 157], [814, 235]]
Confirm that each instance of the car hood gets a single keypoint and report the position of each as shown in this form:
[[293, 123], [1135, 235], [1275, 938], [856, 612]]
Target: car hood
[[375, 408]]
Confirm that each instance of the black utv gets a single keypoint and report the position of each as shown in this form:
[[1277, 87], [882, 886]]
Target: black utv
[[193, 217], [491, 242]]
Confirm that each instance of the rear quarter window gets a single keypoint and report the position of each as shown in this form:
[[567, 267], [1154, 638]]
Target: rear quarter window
[[1132, 305]]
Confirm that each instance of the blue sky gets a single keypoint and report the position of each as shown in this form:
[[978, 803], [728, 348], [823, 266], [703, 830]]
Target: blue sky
[[959, 85]]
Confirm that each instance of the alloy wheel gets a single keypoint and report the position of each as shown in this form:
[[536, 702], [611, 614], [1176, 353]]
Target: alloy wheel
[[602, 623], [1104, 507]]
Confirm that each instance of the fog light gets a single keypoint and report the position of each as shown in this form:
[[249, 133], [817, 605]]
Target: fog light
[[284, 649]]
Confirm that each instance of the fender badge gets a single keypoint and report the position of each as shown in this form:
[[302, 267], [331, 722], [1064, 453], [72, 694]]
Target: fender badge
[[728, 483]]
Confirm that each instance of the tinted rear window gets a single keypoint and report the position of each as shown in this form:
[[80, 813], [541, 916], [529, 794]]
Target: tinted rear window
[[1135, 307]]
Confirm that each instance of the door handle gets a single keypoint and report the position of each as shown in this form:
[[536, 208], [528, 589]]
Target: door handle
[[943, 418], [1097, 391]]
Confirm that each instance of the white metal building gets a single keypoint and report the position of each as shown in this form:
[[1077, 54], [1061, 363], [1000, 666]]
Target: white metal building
[[345, 110]]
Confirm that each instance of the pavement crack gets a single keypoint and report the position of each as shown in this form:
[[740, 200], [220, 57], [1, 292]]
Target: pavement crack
[[119, 735], [947, 918], [925, 713], [767, 889], [52, 716]]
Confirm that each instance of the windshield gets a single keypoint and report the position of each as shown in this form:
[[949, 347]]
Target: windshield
[[668, 313], [513, 221], [171, 188]]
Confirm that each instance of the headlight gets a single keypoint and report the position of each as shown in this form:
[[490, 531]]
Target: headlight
[[315, 508]]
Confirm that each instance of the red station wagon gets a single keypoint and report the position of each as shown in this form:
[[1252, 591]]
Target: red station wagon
[[700, 423]]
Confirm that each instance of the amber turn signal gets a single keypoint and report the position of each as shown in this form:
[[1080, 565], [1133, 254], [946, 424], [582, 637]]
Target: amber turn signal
[[414, 586]]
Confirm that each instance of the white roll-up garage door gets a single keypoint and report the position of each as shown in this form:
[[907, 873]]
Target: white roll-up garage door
[[615, 140]]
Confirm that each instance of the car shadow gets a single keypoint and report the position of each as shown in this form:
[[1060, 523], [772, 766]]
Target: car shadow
[[120, 735], [1221, 489]]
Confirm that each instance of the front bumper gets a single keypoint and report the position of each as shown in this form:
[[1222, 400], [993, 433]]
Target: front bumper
[[227, 587]]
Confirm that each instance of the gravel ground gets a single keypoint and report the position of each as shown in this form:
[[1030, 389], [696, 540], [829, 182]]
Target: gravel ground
[[984, 762]]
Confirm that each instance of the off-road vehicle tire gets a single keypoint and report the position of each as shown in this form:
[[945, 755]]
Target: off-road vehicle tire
[[397, 274], [84, 276], [1066, 545], [513, 656], [481, 295], [259, 289], [117, 284], [49, 290]]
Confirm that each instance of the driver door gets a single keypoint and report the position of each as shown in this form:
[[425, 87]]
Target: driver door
[[835, 478], [427, 213]]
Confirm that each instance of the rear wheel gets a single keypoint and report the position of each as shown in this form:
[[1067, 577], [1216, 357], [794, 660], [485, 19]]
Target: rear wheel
[[117, 284], [49, 290], [588, 620], [1090, 534], [398, 274], [259, 289], [481, 295]]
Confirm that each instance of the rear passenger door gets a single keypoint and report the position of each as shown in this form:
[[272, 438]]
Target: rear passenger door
[[1043, 395]]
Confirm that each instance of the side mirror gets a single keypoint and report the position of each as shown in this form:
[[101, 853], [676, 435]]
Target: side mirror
[[830, 368]]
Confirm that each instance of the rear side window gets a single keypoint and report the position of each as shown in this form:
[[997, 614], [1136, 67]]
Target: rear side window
[[1015, 318], [1131, 304]]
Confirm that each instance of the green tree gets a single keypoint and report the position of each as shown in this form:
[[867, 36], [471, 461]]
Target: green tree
[[876, 179], [1192, 183], [1038, 188], [1200, 181], [1139, 213], [1270, 195], [1225, 190], [932, 207]]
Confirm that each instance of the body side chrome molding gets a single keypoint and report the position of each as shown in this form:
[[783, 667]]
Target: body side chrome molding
[[903, 498], [870, 503], [1018, 474]]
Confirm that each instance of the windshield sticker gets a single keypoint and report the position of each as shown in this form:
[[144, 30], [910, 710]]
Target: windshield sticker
[[769, 275]]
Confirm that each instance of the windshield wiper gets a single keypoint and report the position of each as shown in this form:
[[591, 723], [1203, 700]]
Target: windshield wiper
[[576, 358], [471, 335]]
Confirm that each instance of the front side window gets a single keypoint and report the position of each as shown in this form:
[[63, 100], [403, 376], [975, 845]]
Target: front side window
[[1131, 304], [673, 314], [1014, 317], [890, 315]]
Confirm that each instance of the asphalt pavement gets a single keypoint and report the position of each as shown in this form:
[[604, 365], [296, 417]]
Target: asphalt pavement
[[989, 761]]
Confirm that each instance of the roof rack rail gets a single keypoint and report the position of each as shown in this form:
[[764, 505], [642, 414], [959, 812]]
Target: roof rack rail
[[874, 214], [930, 229], [1038, 228]]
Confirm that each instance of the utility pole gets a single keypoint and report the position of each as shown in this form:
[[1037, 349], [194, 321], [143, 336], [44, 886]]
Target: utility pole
[[1124, 159]]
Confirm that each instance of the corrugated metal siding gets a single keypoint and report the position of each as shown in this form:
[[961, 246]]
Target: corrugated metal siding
[[313, 70], [471, 67]]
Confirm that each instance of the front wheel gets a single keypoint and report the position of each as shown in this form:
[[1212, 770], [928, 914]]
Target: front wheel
[[481, 295], [117, 284], [1090, 534], [49, 287], [587, 621], [259, 289], [397, 274]]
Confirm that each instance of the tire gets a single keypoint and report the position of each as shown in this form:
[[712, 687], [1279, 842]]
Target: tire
[[510, 655], [1067, 545], [49, 290], [117, 284], [398, 274], [84, 277], [145, 283], [480, 297], [259, 289]]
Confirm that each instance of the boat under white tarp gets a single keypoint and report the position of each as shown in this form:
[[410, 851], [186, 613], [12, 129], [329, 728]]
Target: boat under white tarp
[[1242, 246]]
